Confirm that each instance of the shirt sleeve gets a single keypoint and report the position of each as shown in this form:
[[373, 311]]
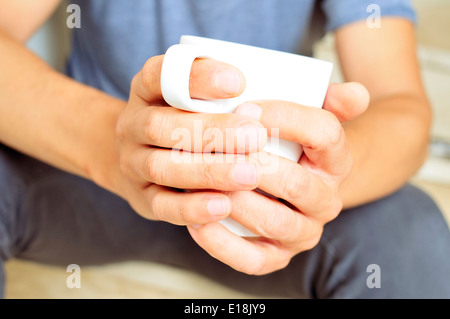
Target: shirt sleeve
[[342, 12]]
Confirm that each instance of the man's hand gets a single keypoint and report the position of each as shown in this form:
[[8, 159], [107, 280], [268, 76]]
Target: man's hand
[[149, 172], [309, 189]]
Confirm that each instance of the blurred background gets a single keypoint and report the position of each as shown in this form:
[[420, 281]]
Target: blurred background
[[146, 280], [434, 54]]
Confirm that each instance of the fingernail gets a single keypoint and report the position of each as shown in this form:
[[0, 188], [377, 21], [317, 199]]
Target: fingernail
[[244, 174], [228, 81], [248, 137], [218, 206], [250, 109]]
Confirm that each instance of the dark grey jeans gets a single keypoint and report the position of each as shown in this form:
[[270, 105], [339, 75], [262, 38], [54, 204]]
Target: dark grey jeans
[[397, 247]]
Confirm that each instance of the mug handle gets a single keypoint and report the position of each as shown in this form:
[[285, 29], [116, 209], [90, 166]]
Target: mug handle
[[175, 74]]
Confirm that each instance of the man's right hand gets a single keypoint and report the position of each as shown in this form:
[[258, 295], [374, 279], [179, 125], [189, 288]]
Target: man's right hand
[[149, 175]]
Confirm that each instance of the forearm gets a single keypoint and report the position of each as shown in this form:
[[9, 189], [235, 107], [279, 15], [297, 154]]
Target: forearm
[[48, 116], [389, 144]]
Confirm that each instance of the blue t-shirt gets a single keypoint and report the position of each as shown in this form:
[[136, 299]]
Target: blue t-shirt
[[117, 36]]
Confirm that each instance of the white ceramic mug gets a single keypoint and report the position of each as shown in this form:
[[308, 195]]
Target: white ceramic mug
[[269, 75]]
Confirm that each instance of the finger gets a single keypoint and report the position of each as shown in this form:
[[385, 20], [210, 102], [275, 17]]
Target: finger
[[210, 79], [272, 219], [250, 256], [346, 100], [186, 208], [303, 189], [318, 131], [187, 170], [172, 128], [311, 127]]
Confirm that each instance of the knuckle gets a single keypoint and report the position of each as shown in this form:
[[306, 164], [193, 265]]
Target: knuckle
[[295, 184], [208, 174], [333, 129], [283, 261], [213, 134], [332, 207], [154, 168], [148, 71], [154, 126], [313, 242], [135, 81], [155, 211], [186, 215], [210, 123], [329, 131], [335, 209], [275, 226], [256, 266], [260, 266]]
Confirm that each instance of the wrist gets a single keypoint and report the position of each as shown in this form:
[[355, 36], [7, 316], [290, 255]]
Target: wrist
[[103, 153], [104, 169]]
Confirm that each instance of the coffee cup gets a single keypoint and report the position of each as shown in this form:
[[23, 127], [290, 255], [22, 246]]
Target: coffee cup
[[269, 75]]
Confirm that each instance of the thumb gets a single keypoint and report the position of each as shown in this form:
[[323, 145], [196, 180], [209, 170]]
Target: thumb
[[346, 100]]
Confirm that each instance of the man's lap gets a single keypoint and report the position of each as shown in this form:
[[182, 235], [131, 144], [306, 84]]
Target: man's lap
[[53, 217]]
